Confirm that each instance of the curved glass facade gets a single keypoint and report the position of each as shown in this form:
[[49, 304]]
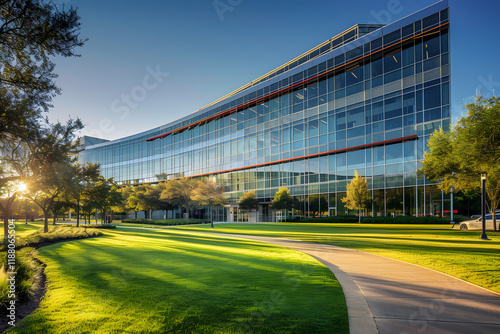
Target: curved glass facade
[[368, 105]]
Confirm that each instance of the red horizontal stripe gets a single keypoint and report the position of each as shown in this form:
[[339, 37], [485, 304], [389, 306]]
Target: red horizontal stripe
[[347, 149], [243, 106]]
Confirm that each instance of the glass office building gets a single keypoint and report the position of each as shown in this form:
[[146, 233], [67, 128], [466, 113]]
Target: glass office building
[[366, 100]]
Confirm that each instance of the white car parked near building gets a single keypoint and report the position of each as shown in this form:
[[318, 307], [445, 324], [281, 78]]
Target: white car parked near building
[[477, 224]]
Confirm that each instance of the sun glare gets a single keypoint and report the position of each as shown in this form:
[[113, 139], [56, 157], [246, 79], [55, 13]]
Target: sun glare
[[21, 187]]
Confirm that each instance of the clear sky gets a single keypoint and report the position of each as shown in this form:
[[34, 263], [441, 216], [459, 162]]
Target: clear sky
[[200, 50]]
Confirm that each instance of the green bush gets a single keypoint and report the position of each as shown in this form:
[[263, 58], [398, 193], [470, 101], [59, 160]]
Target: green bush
[[168, 222], [406, 220], [55, 233], [104, 226], [327, 220], [26, 267]]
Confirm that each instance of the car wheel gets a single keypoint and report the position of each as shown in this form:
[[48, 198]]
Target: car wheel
[[464, 227]]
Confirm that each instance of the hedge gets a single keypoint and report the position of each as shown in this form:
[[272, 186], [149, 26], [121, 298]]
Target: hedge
[[104, 226], [410, 220], [327, 220], [167, 222]]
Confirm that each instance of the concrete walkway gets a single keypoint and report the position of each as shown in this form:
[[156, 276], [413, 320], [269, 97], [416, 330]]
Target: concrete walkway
[[390, 296]]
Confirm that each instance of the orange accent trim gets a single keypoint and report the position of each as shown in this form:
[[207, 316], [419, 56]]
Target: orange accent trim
[[347, 149], [243, 106]]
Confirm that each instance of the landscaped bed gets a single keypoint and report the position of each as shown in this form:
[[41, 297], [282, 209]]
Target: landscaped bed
[[166, 222]]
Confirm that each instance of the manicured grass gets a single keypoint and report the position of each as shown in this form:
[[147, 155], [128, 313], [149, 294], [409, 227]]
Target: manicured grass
[[458, 253], [136, 280], [23, 229]]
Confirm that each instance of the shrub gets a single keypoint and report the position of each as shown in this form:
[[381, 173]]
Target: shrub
[[167, 222], [104, 226], [56, 233], [26, 267], [406, 220], [327, 220]]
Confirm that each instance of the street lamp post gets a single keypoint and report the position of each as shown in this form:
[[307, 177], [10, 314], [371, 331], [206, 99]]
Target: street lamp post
[[211, 213], [483, 205], [451, 191]]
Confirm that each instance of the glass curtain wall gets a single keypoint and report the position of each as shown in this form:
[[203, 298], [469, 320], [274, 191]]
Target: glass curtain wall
[[370, 110]]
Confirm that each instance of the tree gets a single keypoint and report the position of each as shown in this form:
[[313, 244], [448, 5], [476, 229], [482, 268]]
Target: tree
[[249, 202], [357, 197], [147, 198], [458, 158], [14, 155], [83, 177], [179, 192], [283, 201], [99, 196], [113, 199], [31, 32], [50, 165], [209, 193], [125, 204]]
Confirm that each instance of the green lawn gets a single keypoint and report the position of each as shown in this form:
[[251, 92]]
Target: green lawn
[[148, 281], [23, 229], [458, 253]]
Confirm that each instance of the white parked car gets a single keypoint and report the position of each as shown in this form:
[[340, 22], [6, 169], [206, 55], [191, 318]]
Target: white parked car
[[477, 224]]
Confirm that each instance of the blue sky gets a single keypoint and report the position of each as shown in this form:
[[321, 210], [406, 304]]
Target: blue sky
[[199, 53]]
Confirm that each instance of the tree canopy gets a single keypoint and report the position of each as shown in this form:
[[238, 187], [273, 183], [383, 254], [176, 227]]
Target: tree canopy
[[248, 202], [458, 158], [179, 192], [358, 196], [209, 193], [31, 32]]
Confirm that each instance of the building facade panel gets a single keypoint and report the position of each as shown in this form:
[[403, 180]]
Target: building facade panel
[[364, 101]]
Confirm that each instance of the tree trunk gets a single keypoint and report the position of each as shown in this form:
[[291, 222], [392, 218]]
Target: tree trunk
[[45, 220], [78, 213], [54, 218], [6, 215], [359, 214], [5, 228]]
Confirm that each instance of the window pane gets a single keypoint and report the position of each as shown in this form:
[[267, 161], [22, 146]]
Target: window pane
[[432, 97]]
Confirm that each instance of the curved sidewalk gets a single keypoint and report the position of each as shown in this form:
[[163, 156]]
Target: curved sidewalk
[[390, 296]]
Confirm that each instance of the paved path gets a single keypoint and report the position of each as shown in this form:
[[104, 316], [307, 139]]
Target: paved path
[[390, 296]]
